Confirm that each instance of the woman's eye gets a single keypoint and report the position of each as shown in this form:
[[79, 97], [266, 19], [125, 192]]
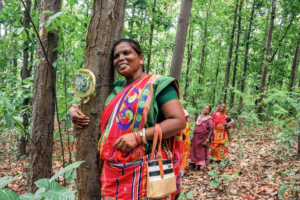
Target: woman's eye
[[126, 53], [116, 56]]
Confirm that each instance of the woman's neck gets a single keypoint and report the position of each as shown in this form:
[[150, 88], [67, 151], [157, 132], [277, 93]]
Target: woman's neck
[[135, 77], [204, 115]]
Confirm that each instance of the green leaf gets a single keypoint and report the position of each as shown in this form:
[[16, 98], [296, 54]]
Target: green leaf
[[27, 196], [282, 189], [71, 138], [183, 196], [61, 193], [64, 170], [213, 174], [55, 185], [6, 180], [71, 178], [8, 120], [43, 183], [214, 183], [48, 11], [26, 81], [24, 35], [68, 173], [190, 194], [68, 125], [8, 195], [19, 30], [39, 193]]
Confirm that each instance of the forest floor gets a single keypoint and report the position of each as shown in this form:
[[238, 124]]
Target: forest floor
[[256, 165]]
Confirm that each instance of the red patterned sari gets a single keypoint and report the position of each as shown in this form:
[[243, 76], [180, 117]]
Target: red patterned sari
[[219, 144], [124, 174]]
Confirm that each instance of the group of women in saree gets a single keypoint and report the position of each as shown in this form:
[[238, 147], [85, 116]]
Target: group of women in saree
[[131, 111], [210, 137]]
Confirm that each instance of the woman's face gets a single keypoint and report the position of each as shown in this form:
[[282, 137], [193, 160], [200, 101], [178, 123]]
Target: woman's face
[[206, 110], [126, 60], [222, 107]]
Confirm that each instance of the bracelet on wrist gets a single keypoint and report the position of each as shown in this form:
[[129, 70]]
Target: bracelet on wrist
[[74, 106]]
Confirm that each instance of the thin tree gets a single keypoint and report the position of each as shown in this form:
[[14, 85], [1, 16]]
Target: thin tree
[[230, 52], [25, 73], [1, 8], [106, 28], [189, 59], [42, 121], [151, 37], [181, 33], [246, 56], [295, 65], [268, 48], [236, 54], [204, 41]]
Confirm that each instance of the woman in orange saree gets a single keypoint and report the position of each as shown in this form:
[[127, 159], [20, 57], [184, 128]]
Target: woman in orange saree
[[220, 143], [186, 143]]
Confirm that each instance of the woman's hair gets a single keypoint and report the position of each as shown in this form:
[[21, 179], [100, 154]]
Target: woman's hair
[[209, 107], [136, 47]]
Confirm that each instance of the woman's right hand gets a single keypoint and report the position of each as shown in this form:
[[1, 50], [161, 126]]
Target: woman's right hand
[[78, 118]]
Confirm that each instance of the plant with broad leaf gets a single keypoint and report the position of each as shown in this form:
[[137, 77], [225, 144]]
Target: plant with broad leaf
[[219, 179], [48, 188], [186, 196]]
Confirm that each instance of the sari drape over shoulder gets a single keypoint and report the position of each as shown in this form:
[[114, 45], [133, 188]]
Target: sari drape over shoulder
[[124, 174], [220, 143]]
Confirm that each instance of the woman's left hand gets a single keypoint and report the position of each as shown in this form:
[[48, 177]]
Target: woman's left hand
[[206, 143], [126, 142]]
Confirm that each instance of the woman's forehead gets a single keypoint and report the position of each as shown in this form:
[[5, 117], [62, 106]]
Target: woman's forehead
[[122, 46]]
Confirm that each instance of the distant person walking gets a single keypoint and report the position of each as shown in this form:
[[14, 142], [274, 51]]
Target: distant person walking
[[201, 139], [220, 143], [186, 143]]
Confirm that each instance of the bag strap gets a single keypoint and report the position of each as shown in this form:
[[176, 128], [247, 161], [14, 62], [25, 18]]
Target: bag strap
[[157, 141]]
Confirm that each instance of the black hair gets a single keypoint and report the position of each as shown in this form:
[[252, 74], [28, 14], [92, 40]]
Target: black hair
[[135, 45]]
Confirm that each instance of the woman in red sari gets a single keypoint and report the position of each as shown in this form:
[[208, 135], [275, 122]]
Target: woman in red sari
[[220, 143], [127, 125]]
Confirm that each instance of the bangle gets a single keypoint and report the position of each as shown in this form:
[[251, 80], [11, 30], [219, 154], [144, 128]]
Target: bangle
[[138, 139], [207, 140], [74, 106], [144, 136]]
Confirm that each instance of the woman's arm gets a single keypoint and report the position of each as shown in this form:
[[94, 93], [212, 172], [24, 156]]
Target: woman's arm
[[174, 123]]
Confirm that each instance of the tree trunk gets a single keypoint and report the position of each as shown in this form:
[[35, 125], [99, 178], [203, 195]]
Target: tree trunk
[[190, 49], [218, 67], [25, 73], [1, 8], [151, 38], [204, 44], [106, 28], [236, 54], [182, 28], [42, 122], [295, 66], [268, 49], [230, 52], [246, 57]]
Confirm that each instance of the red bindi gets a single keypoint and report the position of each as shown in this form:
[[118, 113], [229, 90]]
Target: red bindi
[[119, 43]]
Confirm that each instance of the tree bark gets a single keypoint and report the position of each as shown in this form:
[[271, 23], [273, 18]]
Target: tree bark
[[182, 28], [105, 29], [246, 57], [295, 66], [190, 49], [151, 38], [230, 53], [42, 124], [268, 49], [25, 73], [236, 55], [204, 44]]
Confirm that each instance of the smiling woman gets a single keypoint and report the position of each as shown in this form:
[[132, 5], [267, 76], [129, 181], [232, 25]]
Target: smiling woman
[[127, 125]]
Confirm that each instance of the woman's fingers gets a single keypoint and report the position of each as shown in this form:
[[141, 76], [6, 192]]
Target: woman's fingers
[[117, 142]]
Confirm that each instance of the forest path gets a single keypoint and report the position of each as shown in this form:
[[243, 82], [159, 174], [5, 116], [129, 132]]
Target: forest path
[[257, 165]]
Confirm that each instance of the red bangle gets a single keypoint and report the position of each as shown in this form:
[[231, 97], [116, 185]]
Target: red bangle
[[74, 106]]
